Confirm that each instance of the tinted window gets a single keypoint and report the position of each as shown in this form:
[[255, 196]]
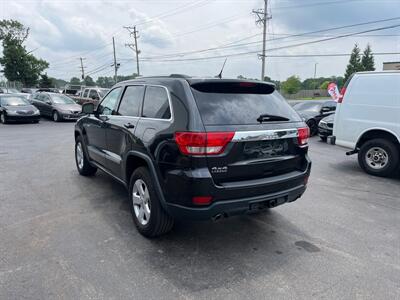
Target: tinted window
[[239, 103], [61, 99], [93, 94], [106, 107], [156, 104], [85, 93], [131, 101]]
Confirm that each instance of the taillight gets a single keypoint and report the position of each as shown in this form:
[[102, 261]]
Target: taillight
[[202, 200], [203, 143], [342, 92], [302, 135]]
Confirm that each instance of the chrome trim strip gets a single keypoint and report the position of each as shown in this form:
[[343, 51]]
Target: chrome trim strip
[[264, 135]]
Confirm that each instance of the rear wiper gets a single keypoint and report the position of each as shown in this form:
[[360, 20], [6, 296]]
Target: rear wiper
[[268, 118]]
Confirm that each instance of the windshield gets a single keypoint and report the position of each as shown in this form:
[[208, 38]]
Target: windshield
[[237, 103], [14, 101], [309, 105], [12, 91], [103, 92], [61, 99]]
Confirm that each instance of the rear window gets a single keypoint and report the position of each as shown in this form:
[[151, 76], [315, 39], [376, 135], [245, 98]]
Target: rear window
[[231, 103]]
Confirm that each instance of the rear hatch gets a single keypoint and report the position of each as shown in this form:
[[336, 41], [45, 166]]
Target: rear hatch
[[263, 127]]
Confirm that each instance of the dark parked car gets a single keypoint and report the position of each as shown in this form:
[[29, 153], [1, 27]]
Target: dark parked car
[[57, 106], [17, 108], [195, 148], [28, 90], [325, 127], [50, 90], [312, 111]]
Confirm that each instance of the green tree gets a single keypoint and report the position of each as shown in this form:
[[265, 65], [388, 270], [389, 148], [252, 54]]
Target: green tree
[[292, 85], [19, 64], [59, 83], [89, 81], [75, 81], [324, 85], [45, 81], [367, 60], [354, 64]]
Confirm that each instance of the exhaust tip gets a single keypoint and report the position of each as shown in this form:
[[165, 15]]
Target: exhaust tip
[[217, 217]]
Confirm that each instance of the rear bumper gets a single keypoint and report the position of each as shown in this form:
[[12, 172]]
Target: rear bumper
[[233, 198], [233, 207]]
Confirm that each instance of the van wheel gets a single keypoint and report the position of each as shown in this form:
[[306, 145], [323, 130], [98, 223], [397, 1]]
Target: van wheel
[[82, 163], [323, 138], [148, 215], [379, 157]]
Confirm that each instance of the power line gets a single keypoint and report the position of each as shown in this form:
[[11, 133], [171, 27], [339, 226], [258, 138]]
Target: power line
[[328, 55], [134, 46], [232, 44], [263, 17], [283, 47]]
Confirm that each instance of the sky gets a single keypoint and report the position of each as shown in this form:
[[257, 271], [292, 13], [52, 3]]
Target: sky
[[195, 36]]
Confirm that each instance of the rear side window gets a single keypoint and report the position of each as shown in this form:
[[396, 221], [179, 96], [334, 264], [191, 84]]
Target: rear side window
[[235, 103], [156, 104], [85, 93], [131, 101]]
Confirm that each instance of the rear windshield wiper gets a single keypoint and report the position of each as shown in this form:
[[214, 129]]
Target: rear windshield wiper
[[269, 118]]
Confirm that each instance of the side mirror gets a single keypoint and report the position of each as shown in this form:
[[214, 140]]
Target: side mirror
[[48, 102], [95, 97], [88, 108], [325, 110]]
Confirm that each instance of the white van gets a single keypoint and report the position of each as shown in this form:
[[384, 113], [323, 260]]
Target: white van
[[367, 121]]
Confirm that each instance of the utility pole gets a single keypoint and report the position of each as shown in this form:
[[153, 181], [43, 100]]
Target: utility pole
[[134, 47], [82, 67], [263, 17], [116, 66]]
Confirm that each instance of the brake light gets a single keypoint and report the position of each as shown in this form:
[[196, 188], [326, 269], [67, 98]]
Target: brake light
[[302, 135], [342, 92], [202, 200], [203, 143]]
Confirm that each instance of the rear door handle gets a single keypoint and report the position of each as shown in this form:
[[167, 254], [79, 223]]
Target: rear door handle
[[129, 125]]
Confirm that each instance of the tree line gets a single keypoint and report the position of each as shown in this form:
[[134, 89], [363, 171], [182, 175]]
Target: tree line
[[357, 63]]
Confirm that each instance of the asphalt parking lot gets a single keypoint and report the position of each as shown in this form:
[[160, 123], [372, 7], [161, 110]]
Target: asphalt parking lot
[[68, 237]]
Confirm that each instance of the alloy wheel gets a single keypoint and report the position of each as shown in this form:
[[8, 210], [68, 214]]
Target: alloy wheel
[[141, 202], [79, 155]]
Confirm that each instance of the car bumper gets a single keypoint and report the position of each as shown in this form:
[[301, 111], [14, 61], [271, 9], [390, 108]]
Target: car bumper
[[233, 199], [233, 207], [23, 118], [324, 132], [71, 117]]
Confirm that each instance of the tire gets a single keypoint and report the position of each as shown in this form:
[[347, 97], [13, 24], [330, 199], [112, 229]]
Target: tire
[[82, 163], [3, 118], [379, 157], [313, 127], [145, 202], [35, 122], [56, 116], [323, 138]]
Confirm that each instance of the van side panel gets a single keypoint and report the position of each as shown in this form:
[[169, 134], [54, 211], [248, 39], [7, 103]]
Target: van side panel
[[372, 101]]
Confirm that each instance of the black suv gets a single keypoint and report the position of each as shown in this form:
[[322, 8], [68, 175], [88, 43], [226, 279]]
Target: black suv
[[195, 148]]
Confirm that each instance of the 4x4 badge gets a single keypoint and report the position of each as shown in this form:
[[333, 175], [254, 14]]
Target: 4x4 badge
[[219, 169]]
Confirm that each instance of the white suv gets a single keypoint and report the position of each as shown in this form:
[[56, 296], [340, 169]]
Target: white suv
[[367, 121]]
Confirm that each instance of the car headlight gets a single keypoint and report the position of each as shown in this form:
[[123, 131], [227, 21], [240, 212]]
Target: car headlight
[[36, 112], [12, 112]]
